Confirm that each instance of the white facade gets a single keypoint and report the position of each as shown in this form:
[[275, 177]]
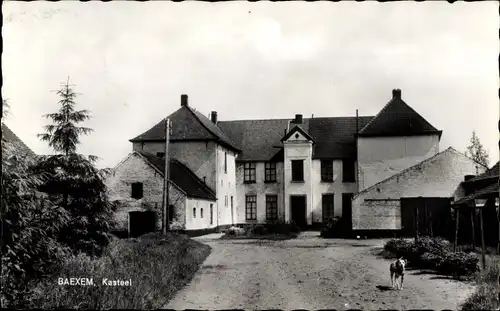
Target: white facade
[[298, 147], [382, 157]]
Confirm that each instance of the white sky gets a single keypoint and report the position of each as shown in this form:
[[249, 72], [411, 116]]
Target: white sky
[[131, 61]]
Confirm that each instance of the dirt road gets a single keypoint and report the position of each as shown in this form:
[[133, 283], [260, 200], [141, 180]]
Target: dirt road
[[309, 273]]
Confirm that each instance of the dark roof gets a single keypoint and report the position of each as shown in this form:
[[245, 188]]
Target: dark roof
[[398, 119], [182, 176], [493, 172], [336, 137], [17, 143], [187, 124], [260, 140], [488, 191], [299, 129]]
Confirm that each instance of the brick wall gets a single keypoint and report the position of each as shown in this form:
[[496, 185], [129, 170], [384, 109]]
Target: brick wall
[[439, 176], [135, 169], [200, 157]]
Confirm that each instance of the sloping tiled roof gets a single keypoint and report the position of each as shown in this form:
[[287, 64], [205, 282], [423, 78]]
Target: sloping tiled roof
[[398, 119], [17, 143], [259, 140], [491, 190], [182, 176], [187, 124], [419, 165], [493, 172], [336, 137]]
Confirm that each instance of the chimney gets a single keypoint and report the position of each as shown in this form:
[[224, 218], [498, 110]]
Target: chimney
[[214, 117], [298, 119], [468, 177], [184, 100], [396, 93]]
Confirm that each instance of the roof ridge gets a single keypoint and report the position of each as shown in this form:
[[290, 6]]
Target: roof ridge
[[377, 115], [194, 176], [231, 142], [406, 170]]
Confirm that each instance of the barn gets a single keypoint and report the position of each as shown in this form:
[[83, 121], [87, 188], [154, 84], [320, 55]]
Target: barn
[[136, 185], [421, 193]]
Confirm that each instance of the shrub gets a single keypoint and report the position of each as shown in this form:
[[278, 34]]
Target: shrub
[[280, 227], [257, 230], [332, 228], [235, 231], [431, 261], [459, 264], [177, 226]]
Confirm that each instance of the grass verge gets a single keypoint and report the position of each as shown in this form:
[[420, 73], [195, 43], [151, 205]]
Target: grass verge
[[486, 295], [157, 265]]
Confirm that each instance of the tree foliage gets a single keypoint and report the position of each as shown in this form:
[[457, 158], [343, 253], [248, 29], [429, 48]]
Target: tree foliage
[[30, 226], [74, 182], [476, 151]]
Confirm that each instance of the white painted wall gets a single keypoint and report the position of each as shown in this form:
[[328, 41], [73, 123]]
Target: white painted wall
[[260, 189], [298, 148], [440, 176], [226, 186], [382, 157], [202, 219], [337, 187]]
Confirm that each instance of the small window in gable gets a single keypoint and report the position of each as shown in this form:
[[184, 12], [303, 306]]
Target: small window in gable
[[194, 212], [137, 190], [201, 212]]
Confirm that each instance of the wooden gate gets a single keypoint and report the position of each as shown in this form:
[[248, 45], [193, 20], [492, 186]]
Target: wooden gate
[[141, 222], [426, 216]]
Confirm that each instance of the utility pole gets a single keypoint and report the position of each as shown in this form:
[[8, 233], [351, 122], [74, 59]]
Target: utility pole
[[166, 179]]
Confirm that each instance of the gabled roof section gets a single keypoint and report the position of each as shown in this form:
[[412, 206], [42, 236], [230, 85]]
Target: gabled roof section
[[297, 128], [187, 124], [417, 166], [181, 176], [20, 147], [398, 119], [259, 140], [492, 173], [336, 137]]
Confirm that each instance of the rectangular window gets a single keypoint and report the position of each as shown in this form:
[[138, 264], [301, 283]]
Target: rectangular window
[[211, 214], [326, 170], [225, 162], [160, 154], [251, 207], [249, 172], [194, 212], [347, 209], [201, 212], [270, 173], [327, 204], [137, 190], [348, 171], [297, 170], [271, 207]]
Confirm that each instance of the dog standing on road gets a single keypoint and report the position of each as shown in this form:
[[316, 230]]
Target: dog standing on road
[[397, 270]]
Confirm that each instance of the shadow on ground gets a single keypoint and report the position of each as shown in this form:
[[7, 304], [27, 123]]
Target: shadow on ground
[[384, 287]]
